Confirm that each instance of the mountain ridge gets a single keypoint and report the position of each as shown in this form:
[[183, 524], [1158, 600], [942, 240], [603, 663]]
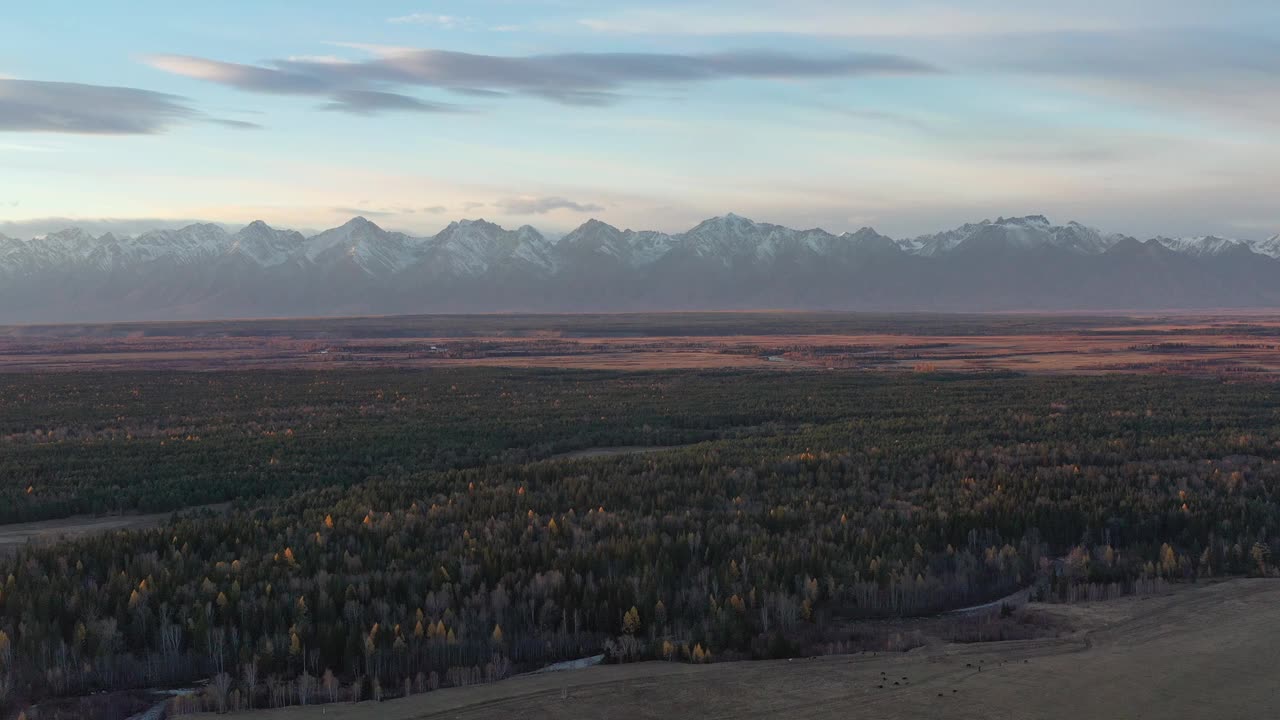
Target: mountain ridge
[[728, 261]]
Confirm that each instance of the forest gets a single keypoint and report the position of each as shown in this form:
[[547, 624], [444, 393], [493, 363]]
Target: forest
[[395, 532]]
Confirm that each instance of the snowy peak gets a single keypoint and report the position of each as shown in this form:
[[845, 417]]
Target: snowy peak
[[191, 244], [732, 237], [1206, 246], [1024, 221], [1012, 234], [599, 240], [265, 246], [1213, 246], [472, 247], [58, 251], [867, 239], [362, 244], [1269, 247]]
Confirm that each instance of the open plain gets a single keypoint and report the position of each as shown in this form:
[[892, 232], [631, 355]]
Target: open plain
[[1213, 344]]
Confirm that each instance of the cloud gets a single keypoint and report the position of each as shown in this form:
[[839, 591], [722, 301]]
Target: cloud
[[39, 106], [540, 205], [369, 102], [366, 209], [883, 117], [903, 18], [237, 124], [448, 22], [1208, 72], [25, 148], [567, 78], [253, 78], [364, 212], [478, 92], [34, 227]]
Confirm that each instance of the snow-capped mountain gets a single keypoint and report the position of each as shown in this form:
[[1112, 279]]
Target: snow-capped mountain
[[1015, 233], [1207, 245], [470, 248], [363, 245], [1269, 247], [732, 237], [191, 244], [262, 245], [628, 248], [723, 262]]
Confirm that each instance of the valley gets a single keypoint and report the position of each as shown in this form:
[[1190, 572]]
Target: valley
[[1230, 345]]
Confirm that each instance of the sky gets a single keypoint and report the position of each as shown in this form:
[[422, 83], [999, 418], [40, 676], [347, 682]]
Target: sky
[[1140, 117]]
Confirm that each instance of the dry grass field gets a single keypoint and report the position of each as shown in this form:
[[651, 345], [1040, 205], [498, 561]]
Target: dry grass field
[[1205, 651], [1228, 345]]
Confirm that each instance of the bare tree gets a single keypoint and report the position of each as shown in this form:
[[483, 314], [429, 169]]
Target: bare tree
[[306, 685], [357, 688], [170, 635], [330, 682], [217, 641], [250, 672], [221, 685]]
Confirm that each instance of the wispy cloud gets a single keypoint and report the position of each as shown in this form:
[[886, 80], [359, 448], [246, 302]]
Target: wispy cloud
[[28, 148], [569, 78], [62, 107], [323, 78], [367, 209], [448, 22], [1207, 72], [883, 117], [33, 227], [364, 212], [369, 102], [822, 18], [526, 205]]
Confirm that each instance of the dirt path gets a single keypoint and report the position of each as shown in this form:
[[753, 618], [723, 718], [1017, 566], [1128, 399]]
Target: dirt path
[[1201, 652], [610, 451], [16, 535]]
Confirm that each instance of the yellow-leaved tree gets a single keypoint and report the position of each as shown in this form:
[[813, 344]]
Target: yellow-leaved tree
[[631, 621]]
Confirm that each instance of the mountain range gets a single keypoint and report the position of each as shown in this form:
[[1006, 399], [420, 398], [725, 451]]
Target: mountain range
[[727, 262]]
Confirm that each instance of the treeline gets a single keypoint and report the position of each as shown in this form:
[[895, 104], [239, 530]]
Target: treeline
[[829, 498]]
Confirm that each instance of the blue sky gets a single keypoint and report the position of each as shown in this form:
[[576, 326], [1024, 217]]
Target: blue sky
[[1141, 117]]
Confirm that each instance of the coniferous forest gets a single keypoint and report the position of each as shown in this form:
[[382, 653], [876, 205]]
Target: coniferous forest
[[369, 533]]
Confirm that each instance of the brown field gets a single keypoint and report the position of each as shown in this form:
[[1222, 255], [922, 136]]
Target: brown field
[[1199, 652], [1242, 345]]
